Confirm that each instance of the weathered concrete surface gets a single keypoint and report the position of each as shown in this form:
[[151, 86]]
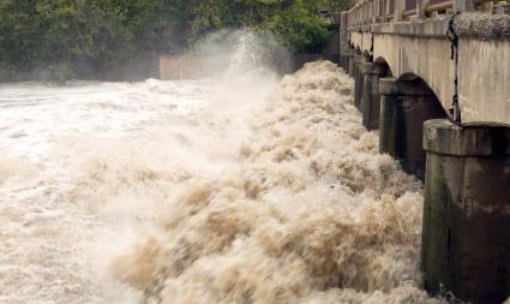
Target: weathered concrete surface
[[391, 135], [371, 73], [474, 140], [352, 62], [405, 106], [482, 26], [484, 80], [343, 41], [358, 79], [428, 59], [466, 224], [361, 41], [426, 28]]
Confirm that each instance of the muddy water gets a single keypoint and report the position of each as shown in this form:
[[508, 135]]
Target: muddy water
[[244, 189]]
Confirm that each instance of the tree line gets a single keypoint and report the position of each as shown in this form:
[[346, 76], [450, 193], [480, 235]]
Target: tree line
[[60, 34]]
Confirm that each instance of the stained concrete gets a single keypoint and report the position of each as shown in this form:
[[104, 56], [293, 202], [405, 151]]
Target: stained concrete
[[343, 41], [351, 63], [482, 26], [466, 224], [358, 79], [405, 106], [371, 73], [484, 80]]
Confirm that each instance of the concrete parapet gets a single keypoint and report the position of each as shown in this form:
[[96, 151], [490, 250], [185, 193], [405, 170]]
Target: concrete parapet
[[404, 107], [466, 223], [482, 26], [370, 74]]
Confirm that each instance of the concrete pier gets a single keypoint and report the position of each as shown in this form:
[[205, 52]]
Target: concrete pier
[[405, 106], [370, 74], [359, 60], [466, 224], [343, 59], [351, 63]]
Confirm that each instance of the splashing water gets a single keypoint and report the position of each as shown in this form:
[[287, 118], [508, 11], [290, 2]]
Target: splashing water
[[253, 190], [302, 209], [256, 52]]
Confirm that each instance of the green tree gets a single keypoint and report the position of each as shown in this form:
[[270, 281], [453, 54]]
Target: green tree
[[298, 24], [58, 34]]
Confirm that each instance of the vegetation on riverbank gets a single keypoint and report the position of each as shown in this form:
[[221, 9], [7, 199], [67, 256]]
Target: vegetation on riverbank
[[62, 36]]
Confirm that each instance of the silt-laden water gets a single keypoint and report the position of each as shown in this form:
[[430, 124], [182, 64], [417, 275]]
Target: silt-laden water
[[247, 188]]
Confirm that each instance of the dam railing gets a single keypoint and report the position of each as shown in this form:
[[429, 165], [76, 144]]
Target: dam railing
[[368, 12]]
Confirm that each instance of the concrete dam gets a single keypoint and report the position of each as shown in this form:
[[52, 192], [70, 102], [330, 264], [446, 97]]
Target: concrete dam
[[433, 77]]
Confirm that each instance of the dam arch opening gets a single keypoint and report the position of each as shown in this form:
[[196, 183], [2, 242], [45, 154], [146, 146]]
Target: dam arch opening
[[372, 72], [407, 102]]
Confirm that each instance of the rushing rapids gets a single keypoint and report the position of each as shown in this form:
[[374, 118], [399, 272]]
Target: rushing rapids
[[249, 189]]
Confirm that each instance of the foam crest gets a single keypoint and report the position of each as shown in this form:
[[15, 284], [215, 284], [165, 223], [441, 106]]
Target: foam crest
[[247, 188], [307, 211]]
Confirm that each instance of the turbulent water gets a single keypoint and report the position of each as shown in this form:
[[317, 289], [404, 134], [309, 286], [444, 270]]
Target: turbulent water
[[245, 189]]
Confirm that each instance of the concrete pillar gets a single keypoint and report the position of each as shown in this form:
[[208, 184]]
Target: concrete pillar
[[371, 73], [466, 222], [404, 106], [344, 41], [358, 79], [352, 59]]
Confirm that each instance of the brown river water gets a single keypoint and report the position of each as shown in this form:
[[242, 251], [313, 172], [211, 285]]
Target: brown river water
[[245, 188]]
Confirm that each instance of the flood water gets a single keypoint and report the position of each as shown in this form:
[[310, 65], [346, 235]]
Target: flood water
[[244, 188]]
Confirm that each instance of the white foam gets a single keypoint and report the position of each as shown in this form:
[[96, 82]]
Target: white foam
[[249, 189]]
